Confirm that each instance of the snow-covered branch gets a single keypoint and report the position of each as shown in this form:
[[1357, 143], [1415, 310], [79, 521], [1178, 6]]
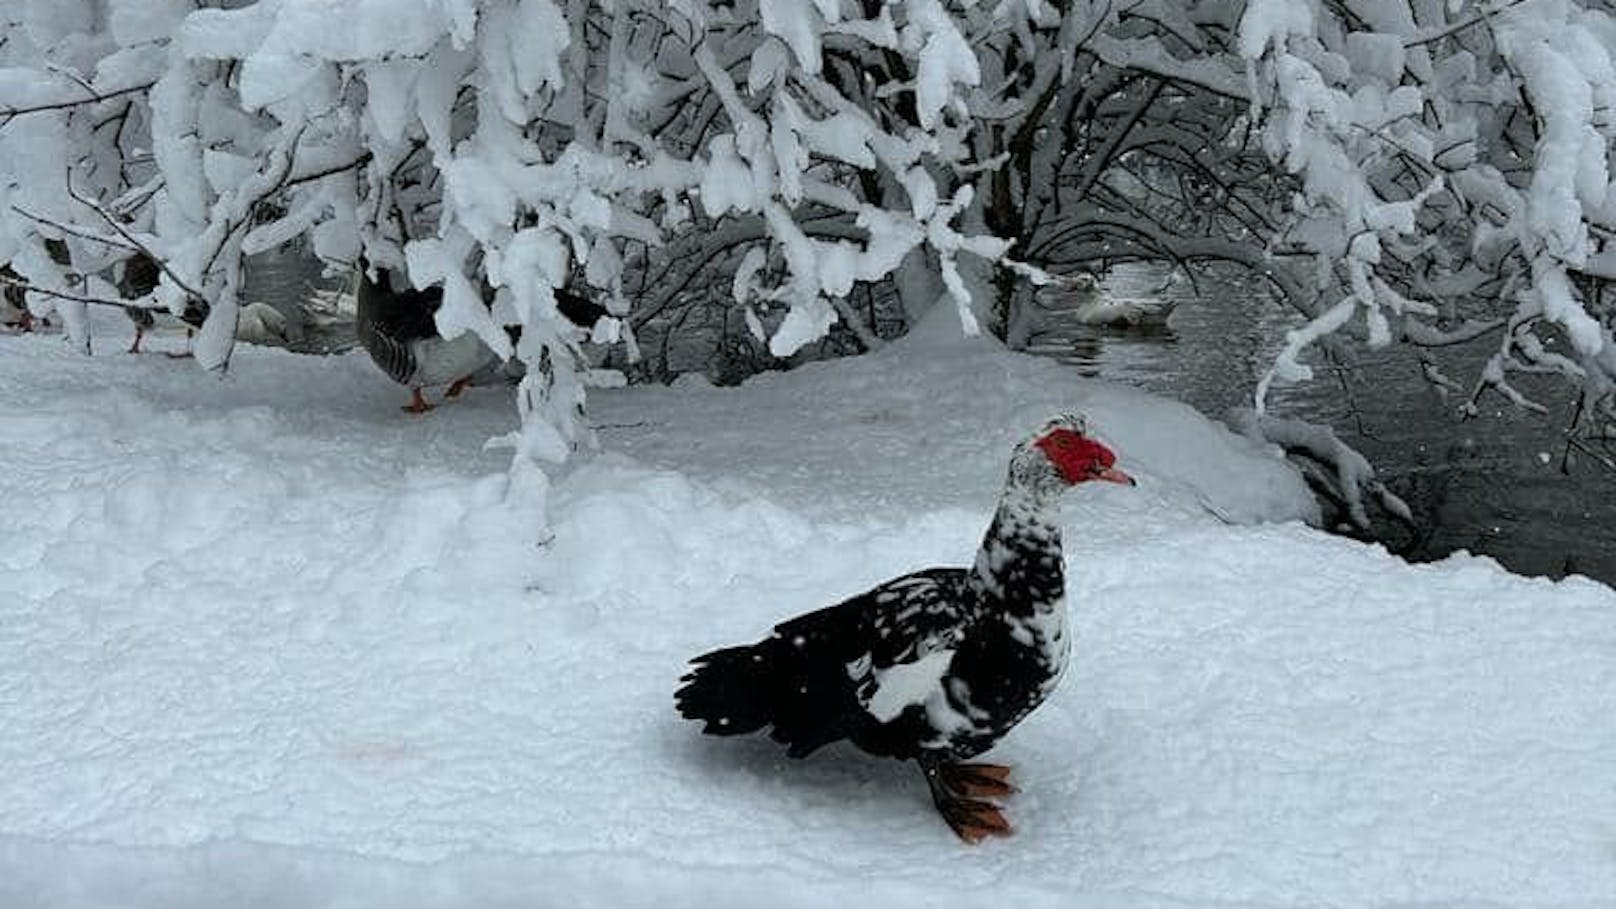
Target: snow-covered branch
[[1417, 190], [1412, 173], [1349, 477]]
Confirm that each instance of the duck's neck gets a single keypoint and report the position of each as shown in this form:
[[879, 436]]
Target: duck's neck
[[1019, 567]]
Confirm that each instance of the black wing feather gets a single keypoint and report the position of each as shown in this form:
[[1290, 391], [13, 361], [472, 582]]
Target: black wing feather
[[809, 679]]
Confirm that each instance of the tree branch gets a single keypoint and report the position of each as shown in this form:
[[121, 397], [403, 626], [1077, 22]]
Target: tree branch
[[9, 112]]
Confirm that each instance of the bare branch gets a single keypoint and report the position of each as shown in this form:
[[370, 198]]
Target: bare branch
[[92, 98]]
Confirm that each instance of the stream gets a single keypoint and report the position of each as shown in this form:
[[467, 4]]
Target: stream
[[1496, 485]]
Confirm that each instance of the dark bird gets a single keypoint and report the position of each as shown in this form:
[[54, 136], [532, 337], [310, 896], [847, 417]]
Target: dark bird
[[14, 301], [136, 277], [139, 277], [398, 328], [934, 666]]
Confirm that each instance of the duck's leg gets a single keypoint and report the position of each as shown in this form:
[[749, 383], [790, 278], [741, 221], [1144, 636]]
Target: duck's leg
[[953, 790], [459, 385], [143, 319], [418, 403]]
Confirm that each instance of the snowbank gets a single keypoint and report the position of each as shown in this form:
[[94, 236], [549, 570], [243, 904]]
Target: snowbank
[[268, 642]]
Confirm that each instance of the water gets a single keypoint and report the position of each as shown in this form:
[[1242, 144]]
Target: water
[[291, 280], [1497, 485]]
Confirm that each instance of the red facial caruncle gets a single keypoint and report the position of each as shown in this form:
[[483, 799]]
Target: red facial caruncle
[[1080, 458]]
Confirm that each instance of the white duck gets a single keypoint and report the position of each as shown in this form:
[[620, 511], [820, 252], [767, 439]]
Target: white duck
[[1086, 303], [261, 323]]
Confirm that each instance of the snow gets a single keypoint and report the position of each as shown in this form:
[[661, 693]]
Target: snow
[[727, 181], [1376, 54], [945, 59], [798, 25], [1268, 22], [268, 642]]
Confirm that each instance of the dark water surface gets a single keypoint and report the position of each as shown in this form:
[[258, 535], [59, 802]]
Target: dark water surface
[[1497, 484]]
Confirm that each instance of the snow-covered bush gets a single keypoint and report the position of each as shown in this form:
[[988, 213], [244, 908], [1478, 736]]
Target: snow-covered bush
[[516, 144], [1453, 168], [1417, 171]]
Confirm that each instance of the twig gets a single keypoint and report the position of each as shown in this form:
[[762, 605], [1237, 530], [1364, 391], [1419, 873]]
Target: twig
[[75, 230], [1604, 460], [116, 225], [288, 151], [355, 164], [1457, 27], [62, 295], [61, 105]]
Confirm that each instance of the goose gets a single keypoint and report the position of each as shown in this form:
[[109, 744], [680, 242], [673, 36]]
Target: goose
[[399, 330]]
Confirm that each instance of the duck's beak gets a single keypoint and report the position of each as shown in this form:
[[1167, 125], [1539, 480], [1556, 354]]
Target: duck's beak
[[1113, 475]]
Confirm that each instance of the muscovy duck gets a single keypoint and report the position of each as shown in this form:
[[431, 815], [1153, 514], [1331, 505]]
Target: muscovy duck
[[934, 666]]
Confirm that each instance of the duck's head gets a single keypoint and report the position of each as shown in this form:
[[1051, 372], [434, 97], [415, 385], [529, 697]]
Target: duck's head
[[1063, 454]]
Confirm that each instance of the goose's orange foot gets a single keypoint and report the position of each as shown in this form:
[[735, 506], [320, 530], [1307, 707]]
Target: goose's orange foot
[[418, 403]]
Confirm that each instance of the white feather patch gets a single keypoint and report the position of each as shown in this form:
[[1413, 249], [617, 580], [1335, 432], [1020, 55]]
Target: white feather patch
[[906, 684]]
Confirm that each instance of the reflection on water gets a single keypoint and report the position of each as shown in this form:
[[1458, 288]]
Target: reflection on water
[[291, 281], [1493, 485]]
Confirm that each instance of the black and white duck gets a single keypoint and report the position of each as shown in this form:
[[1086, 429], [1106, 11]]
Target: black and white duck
[[935, 666]]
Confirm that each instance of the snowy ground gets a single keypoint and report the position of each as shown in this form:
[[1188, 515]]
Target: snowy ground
[[270, 642]]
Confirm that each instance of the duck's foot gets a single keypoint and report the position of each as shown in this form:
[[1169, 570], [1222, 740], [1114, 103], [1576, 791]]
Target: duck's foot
[[958, 791], [134, 346], [973, 820], [418, 403], [977, 780], [459, 385]]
